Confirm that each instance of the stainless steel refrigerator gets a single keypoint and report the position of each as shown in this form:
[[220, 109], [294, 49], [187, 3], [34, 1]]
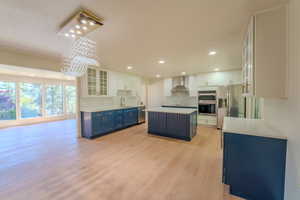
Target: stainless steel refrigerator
[[231, 103]]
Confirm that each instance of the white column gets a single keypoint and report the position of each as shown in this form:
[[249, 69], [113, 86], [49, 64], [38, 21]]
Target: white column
[[18, 107], [43, 92], [78, 115], [65, 100]]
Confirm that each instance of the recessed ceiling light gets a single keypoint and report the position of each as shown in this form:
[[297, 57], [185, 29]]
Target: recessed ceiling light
[[77, 26], [67, 34], [72, 31], [73, 36], [216, 69], [83, 21], [92, 23], [84, 28], [78, 32], [212, 53], [161, 62], [183, 73], [129, 67], [157, 76]]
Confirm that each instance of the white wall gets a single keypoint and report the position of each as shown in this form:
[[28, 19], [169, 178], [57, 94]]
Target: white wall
[[285, 114], [218, 78], [116, 81], [136, 84], [159, 91], [9, 57], [155, 93]]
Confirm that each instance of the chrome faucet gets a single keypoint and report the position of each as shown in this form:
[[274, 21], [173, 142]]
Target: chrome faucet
[[122, 101]]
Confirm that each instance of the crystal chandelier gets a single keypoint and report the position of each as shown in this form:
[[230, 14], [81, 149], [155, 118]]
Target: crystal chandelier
[[83, 54], [83, 50]]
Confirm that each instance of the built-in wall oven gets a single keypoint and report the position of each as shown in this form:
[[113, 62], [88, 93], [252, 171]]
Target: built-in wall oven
[[207, 102]]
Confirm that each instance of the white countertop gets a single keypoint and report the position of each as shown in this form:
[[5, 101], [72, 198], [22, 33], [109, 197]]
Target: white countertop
[[176, 105], [106, 108], [255, 127], [172, 110]]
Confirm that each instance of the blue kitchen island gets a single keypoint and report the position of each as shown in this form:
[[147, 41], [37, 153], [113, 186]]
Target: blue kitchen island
[[180, 123]]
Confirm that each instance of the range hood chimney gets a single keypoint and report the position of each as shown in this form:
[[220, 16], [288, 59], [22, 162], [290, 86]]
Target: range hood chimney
[[180, 86]]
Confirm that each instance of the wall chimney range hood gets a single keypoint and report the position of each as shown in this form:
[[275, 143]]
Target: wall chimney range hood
[[180, 86]]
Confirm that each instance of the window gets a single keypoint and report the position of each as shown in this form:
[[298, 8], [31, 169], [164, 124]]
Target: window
[[7, 101], [92, 90], [70, 94], [103, 83], [30, 100], [54, 100], [22, 101]]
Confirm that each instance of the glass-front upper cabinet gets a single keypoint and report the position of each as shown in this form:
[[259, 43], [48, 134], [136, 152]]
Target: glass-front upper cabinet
[[265, 54], [97, 82], [248, 60], [92, 81], [103, 82]]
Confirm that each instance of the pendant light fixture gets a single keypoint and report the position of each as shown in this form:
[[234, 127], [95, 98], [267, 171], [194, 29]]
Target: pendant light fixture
[[83, 50]]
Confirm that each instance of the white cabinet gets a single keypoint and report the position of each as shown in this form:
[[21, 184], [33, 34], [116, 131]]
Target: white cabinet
[[207, 120], [248, 59], [167, 87], [265, 55], [193, 86], [95, 82]]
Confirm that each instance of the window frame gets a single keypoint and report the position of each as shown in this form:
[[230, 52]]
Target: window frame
[[19, 101], [63, 100], [16, 101], [43, 83]]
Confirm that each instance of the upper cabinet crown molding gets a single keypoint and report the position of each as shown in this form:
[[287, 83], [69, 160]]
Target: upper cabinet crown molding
[[265, 55]]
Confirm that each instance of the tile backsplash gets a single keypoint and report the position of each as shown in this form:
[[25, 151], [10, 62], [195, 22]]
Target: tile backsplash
[[180, 100], [97, 102]]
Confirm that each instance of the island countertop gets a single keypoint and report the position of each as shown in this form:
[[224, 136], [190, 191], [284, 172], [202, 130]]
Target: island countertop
[[107, 108], [172, 110], [254, 127]]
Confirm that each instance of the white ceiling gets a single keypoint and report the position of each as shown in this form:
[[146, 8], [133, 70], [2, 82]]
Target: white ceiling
[[139, 32]]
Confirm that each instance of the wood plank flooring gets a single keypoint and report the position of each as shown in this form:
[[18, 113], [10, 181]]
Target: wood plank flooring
[[47, 161]]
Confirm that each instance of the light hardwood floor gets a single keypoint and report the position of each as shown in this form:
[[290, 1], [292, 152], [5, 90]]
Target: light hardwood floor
[[47, 161]]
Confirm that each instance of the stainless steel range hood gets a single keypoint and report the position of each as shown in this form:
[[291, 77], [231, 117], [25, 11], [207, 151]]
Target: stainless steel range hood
[[180, 86]]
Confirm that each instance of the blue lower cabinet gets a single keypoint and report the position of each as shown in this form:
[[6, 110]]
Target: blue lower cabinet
[[109, 121], [254, 167], [130, 116], [118, 119], [177, 125], [100, 123], [181, 126]]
